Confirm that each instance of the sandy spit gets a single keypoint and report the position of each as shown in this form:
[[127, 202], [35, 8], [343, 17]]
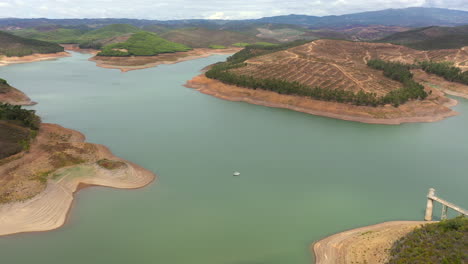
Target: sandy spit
[[32, 58], [126, 64], [435, 108], [370, 244], [49, 209]]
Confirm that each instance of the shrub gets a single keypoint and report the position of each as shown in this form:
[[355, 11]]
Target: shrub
[[443, 242]]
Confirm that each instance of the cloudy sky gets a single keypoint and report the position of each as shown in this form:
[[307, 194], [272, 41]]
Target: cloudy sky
[[213, 9]]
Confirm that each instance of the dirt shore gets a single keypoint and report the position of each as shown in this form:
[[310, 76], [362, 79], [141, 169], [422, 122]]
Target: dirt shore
[[38, 185], [435, 108], [32, 58], [434, 81], [15, 97], [142, 62], [370, 244]]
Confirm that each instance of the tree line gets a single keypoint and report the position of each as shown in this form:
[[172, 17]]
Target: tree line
[[399, 72], [395, 71], [445, 70], [27, 118]]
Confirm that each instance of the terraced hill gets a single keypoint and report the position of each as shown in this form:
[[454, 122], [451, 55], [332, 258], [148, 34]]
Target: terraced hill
[[430, 38], [334, 64], [204, 38], [11, 45]]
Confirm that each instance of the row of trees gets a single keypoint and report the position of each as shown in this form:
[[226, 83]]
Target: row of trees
[[27, 118], [445, 70]]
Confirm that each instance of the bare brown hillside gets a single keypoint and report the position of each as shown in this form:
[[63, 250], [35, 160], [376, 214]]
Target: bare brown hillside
[[336, 64]]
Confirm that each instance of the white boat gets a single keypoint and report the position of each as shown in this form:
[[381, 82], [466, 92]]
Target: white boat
[[236, 173]]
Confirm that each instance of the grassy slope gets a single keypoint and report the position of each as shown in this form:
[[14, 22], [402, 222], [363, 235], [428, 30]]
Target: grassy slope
[[11, 45], [87, 38], [431, 38], [445, 242], [203, 38], [142, 44], [58, 35]]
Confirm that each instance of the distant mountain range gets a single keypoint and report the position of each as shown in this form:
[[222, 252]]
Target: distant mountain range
[[407, 17]]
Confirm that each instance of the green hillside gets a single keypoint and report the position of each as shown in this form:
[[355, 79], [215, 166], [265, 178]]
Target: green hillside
[[142, 44], [11, 45], [431, 38], [87, 38], [106, 35], [444, 242], [204, 38], [109, 32], [57, 35]]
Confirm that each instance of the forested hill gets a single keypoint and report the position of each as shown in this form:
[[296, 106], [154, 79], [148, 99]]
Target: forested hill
[[203, 38], [142, 44], [11, 45], [86, 36], [429, 38]]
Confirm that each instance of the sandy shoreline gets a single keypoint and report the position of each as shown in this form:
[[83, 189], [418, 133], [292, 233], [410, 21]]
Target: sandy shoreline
[[369, 244], [435, 108], [49, 209], [126, 64], [32, 58]]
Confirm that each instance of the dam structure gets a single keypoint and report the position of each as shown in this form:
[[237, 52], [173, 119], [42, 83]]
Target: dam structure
[[431, 198]]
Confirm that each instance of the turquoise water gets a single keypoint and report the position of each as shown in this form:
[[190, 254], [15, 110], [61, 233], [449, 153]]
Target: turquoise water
[[303, 177]]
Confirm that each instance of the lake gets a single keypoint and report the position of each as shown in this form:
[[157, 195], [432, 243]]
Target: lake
[[303, 177]]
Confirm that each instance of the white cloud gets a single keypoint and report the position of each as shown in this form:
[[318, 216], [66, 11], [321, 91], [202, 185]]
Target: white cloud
[[217, 15], [213, 9]]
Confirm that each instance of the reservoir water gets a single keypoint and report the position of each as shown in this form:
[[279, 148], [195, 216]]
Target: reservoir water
[[303, 177]]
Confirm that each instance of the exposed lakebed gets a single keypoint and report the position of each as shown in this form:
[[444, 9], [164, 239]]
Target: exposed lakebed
[[302, 177]]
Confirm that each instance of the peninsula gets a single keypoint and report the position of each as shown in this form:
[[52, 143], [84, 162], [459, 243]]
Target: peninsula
[[356, 81], [43, 165], [15, 49]]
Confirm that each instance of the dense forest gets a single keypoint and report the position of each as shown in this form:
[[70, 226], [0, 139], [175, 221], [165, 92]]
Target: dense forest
[[11, 45], [399, 72], [445, 70], [142, 44], [444, 242], [395, 71]]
